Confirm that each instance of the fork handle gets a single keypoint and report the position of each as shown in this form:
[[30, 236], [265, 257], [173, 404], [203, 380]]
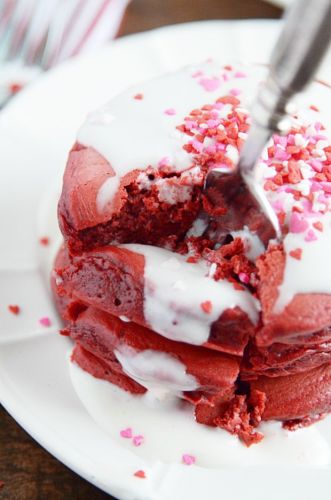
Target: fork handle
[[299, 50]]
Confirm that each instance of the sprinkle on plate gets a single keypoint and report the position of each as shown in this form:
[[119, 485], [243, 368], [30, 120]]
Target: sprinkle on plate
[[138, 440], [45, 321], [296, 254], [140, 473], [126, 433], [14, 309], [188, 459], [44, 241]]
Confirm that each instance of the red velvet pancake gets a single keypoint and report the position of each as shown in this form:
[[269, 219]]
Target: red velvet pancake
[[154, 264]]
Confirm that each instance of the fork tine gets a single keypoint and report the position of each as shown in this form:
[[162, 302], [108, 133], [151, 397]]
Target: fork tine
[[62, 22], [73, 28], [77, 33], [16, 28], [7, 9], [37, 31], [78, 27], [108, 23], [104, 5], [7, 28]]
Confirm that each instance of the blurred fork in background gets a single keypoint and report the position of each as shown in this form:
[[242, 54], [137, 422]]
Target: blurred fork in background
[[38, 34]]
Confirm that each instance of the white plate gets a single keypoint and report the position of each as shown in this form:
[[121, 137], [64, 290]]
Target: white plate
[[36, 131]]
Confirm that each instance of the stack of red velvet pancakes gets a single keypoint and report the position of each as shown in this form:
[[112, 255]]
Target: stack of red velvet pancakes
[[153, 299]]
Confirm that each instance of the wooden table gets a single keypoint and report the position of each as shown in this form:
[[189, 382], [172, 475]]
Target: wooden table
[[28, 471]]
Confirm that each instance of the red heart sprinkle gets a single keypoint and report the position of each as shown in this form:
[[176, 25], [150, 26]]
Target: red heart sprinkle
[[140, 473], [14, 309]]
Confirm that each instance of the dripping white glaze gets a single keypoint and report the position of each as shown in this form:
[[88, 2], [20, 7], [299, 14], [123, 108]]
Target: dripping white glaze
[[174, 291], [140, 133], [310, 274], [160, 373], [107, 192], [169, 430]]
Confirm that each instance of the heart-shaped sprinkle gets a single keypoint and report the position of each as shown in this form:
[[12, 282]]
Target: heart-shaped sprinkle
[[140, 473], [14, 309], [45, 321], [126, 433], [138, 440], [44, 241], [206, 306], [297, 223], [296, 254], [310, 236], [188, 459]]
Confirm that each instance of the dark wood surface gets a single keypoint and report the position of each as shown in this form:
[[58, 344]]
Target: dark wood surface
[[27, 470]]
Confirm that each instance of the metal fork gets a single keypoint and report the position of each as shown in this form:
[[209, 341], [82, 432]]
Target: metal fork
[[297, 54]]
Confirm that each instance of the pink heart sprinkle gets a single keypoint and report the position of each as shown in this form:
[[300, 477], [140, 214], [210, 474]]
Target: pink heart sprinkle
[[326, 186], [244, 278], [126, 433], [310, 236], [317, 165], [45, 321], [315, 186], [198, 146], [278, 205], [283, 141], [235, 92], [211, 150], [209, 84], [240, 74], [170, 111], [297, 223], [138, 440], [188, 459], [212, 123], [189, 124], [290, 139], [281, 155]]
